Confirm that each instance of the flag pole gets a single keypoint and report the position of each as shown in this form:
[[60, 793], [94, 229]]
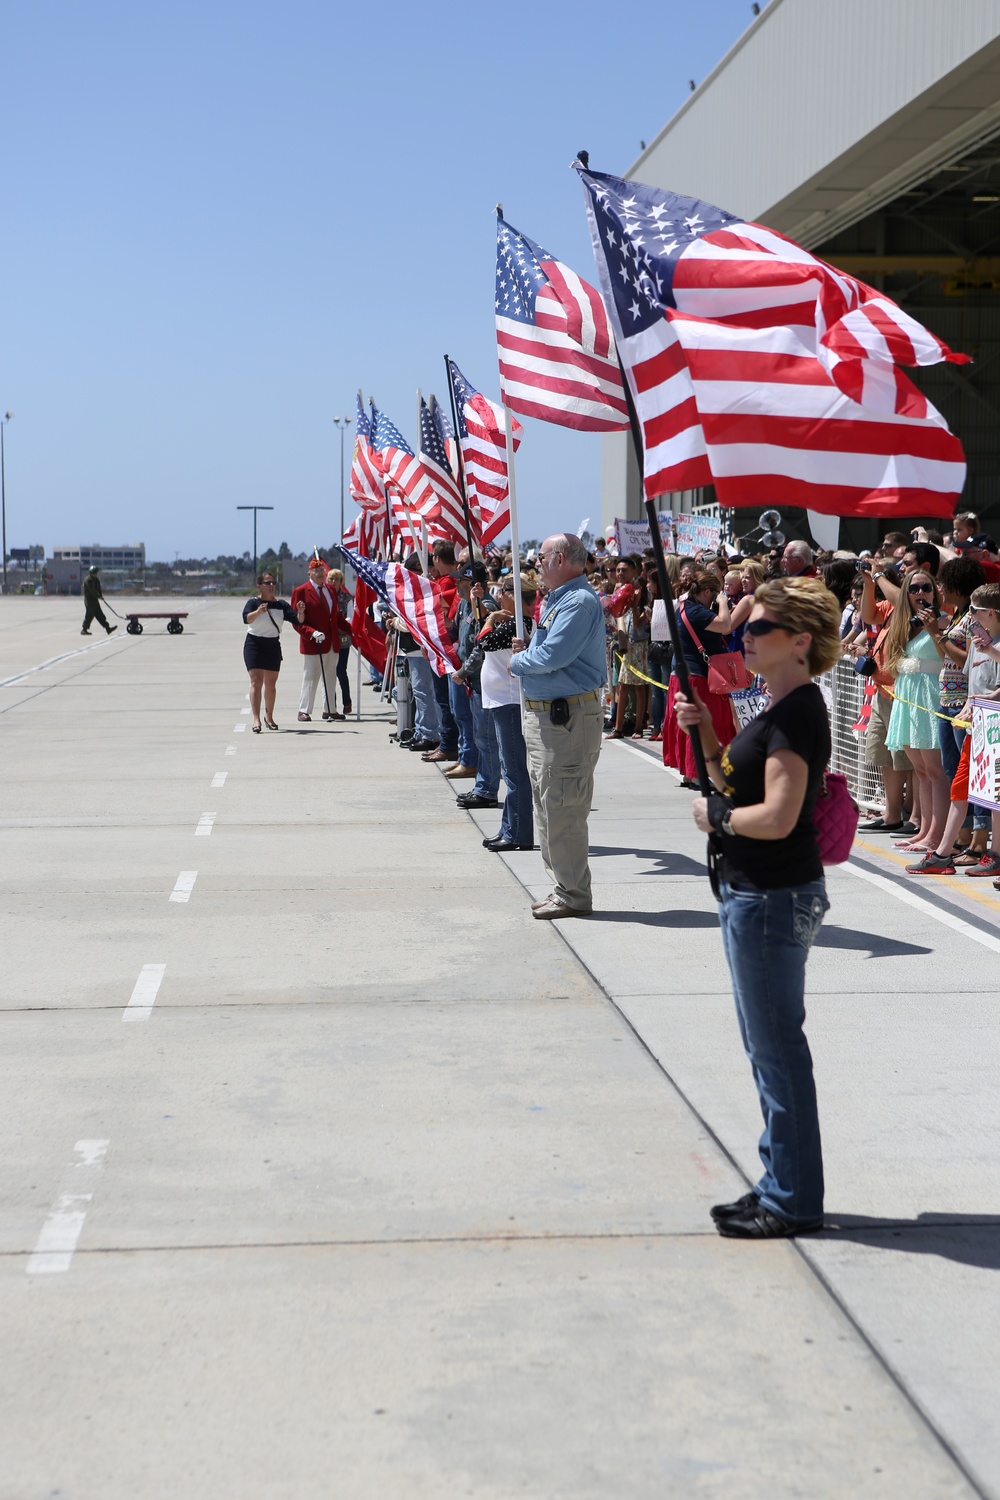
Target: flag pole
[[666, 591], [461, 483], [515, 538], [461, 460]]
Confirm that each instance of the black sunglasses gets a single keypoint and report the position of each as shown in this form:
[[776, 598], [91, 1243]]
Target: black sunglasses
[[764, 627], [920, 588]]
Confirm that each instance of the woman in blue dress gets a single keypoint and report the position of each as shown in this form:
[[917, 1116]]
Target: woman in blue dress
[[913, 654]]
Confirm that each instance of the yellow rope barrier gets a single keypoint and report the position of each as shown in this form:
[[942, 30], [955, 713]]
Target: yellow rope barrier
[[958, 723]]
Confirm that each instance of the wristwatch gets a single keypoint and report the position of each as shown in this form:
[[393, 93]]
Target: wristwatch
[[726, 823]]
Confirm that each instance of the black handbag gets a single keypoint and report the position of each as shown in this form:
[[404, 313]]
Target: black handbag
[[660, 654]]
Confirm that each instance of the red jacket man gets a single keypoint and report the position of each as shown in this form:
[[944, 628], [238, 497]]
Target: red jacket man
[[319, 635]]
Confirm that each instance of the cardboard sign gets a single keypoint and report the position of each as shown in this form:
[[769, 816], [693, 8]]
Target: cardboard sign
[[633, 536], [697, 534], [984, 766], [748, 703]]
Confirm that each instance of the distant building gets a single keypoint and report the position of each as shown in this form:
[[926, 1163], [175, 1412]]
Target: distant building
[[67, 567], [130, 559]]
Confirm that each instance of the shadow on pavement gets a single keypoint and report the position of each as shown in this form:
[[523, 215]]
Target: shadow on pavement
[[972, 1240], [876, 944], [667, 863]]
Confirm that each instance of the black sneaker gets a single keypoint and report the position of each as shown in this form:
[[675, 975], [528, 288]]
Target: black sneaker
[[733, 1210], [758, 1223], [879, 825]]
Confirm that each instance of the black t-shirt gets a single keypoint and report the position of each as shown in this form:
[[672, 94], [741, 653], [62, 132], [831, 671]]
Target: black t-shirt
[[710, 641], [797, 722]]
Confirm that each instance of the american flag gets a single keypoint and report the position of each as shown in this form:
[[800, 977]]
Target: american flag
[[762, 370], [481, 434], [367, 484], [411, 597], [367, 638], [434, 457], [401, 466], [557, 356]]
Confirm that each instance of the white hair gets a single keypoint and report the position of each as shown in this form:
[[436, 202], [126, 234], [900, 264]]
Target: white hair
[[802, 551]]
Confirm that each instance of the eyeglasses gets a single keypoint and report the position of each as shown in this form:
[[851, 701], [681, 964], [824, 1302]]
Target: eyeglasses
[[545, 557], [764, 627], [920, 588]]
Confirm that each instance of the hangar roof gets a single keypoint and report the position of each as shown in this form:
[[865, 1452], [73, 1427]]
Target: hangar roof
[[824, 110]]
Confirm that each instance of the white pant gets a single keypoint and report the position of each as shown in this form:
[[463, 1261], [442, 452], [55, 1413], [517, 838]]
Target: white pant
[[311, 681]]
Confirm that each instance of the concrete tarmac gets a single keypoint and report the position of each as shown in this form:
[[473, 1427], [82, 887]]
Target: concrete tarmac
[[330, 1172]]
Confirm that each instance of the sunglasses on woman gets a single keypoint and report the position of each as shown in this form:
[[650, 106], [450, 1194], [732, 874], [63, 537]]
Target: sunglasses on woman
[[920, 588], [764, 627]]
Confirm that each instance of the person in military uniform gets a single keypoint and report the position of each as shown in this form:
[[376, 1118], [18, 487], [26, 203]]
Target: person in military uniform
[[92, 596]]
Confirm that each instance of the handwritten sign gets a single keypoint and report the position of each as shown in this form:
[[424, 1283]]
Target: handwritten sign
[[633, 536], [697, 534], [984, 765]]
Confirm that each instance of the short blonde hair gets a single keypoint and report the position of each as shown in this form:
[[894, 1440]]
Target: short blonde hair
[[806, 605], [335, 576]]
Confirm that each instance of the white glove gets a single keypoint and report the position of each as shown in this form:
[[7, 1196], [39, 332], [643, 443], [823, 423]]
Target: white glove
[[319, 637]]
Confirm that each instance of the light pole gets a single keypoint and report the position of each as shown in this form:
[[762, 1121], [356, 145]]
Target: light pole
[[3, 496], [255, 509], [341, 423]]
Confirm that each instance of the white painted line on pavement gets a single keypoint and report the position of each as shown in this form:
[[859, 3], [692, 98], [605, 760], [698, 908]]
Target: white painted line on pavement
[[230, 749], [52, 661], [60, 1233], [219, 779], [205, 823], [185, 885], [650, 759], [910, 898], [244, 711], [239, 729], [143, 996]]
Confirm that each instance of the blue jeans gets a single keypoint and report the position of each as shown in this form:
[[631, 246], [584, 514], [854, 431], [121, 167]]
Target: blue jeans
[[447, 728], [487, 782], [658, 695], [517, 822], [766, 936], [461, 710], [425, 723]]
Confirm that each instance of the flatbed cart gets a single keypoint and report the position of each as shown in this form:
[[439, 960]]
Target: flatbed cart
[[173, 618]]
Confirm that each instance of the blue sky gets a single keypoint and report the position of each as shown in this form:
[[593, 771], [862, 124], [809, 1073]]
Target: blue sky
[[220, 219]]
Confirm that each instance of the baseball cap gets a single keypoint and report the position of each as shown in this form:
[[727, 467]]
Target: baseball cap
[[981, 539], [476, 572]]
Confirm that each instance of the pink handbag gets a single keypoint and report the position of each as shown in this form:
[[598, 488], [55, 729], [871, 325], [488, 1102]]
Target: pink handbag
[[835, 817], [726, 671]]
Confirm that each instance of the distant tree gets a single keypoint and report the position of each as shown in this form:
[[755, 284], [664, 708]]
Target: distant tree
[[284, 553]]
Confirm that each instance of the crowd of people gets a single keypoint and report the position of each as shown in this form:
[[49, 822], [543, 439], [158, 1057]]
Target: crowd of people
[[919, 619]]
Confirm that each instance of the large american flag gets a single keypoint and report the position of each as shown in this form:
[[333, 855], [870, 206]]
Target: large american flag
[[557, 355], [367, 483], [411, 597], [482, 436], [434, 457], [762, 370]]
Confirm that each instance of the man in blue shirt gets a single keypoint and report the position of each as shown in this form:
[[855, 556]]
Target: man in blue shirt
[[563, 671]]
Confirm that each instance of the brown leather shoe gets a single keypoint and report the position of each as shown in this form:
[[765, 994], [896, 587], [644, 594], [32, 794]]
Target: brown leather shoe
[[436, 755], [460, 772], [553, 908], [304, 719]]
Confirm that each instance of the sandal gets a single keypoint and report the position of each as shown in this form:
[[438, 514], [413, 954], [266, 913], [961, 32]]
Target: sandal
[[615, 734], [270, 724], [967, 857], [256, 728]]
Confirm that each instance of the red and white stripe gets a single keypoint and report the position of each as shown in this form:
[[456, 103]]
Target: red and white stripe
[[450, 515], [367, 483], [775, 380], [564, 369], [417, 603], [484, 456]]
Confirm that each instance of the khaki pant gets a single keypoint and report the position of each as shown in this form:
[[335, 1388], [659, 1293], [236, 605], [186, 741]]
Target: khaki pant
[[561, 763], [311, 681]]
